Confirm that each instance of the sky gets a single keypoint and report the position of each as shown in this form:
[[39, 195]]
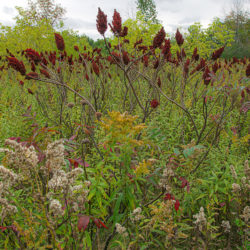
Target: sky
[[81, 14]]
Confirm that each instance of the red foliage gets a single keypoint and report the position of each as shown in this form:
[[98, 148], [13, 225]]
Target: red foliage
[[186, 67], [125, 57], [33, 55], [179, 38], [159, 38], [101, 22], [154, 103], [95, 68], [124, 32], [166, 48], [248, 70], [31, 75], [206, 76], [137, 42], [83, 222], [117, 23], [195, 56], [145, 60], [217, 53], [16, 65], [59, 42], [45, 73]]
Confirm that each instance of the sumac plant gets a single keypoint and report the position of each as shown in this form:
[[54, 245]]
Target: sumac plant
[[116, 177]]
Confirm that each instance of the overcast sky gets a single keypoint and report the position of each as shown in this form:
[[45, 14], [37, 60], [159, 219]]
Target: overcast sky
[[81, 14]]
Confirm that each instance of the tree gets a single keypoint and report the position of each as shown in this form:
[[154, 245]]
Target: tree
[[148, 10], [207, 40], [42, 9], [238, 21]]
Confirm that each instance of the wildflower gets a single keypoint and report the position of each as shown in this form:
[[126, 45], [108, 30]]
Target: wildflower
[[137, 42], [206, 76], [177, 205], [186, 67], [247, 169], [179, 38], [159, 38], [201, 220], [166, 47], [159, 82], [246, 214], [217, 53], [125, 57], [8, 174], [236, 188], [226, 226], [145, 60], [31, 75], [6, 208], [248, 70], [156, 64], [95, 68], [120, 229], [233, 172], [45, 73], [55, 156], [154, 103], [87, 183], [124, 33], [33, 55], [101, 22], [56, 208], [136, 215], [215, 67], [195, 56], [59, 42], [117, 23], [33, 67], [76, 48], [70, 105], [17, 65]]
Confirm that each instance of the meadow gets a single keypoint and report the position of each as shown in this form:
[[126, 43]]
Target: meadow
[[135, 147]]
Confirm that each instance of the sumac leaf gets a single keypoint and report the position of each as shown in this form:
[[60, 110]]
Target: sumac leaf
[[83, 222]]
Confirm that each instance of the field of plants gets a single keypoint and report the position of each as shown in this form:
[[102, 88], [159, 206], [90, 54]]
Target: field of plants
[[135, 146]]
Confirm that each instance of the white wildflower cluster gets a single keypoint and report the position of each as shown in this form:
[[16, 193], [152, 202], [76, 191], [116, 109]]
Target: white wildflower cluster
[[21, 158], [244, 186], [7, 179], [55, 207], [55, 156], [121, 230], [236, 188], [233, 172], [201, 220], [226, 226], [246, 214], [7, 208], [136, 215], [167, 174], [24, 160]]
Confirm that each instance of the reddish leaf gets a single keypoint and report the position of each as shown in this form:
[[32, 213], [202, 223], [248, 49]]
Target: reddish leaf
[[83, 222], [176, 205], [96, 221], [3, 228], [102, 224]]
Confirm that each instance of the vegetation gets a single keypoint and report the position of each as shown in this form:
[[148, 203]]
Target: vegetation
[[141, 145]]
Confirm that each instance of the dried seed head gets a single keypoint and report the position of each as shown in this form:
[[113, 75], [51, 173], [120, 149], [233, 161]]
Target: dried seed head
[[71, 105]]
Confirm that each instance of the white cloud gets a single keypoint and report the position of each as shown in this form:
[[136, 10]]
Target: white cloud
[[81, 14]]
